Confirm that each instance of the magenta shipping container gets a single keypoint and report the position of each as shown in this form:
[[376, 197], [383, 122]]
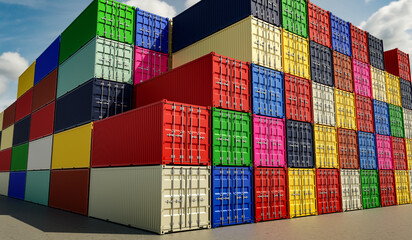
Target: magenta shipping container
[[362, 78], [149, 64], [384, 147], [269, 141]]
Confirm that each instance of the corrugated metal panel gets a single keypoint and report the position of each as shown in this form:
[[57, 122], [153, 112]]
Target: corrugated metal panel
[[393, 89], [406, 93], [397, 63], [23, 105], [21, 132], [298, 95], [19, 158], [323, 104], [1, 120], [362, 76], [403, 194], [319, 25], [326, 147], [321, 64], [410, 182], [152, 31], [384, 149], [408, 143], [364, 114], [376, 55], [4, 183], [367, 150], [40, 154], [351, 190], [328, 191], [400, 161], [5, 160], [348, 149], [47, 61], [359, 44], [295, 55], [300, 145], [42, 122], [7, 138], [382, 124], [341, 35], [44, 92], [157, 198], [295, 17], [342, 66], [387, 186], [26, 80], [379, 84], [9, 114], [396, 120], [148, 64], [17, 184], [370, 189], [345, 110], [302, 192], [37, 187]]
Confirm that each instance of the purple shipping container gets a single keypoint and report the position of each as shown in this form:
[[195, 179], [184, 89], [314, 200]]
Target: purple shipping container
[[384, 148], [149, 64], [362, 78]]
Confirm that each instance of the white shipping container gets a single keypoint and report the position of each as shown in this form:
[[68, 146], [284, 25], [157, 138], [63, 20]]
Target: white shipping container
[[159, 199], [407, 119], [40, 154], [4, 183], [323, 104], [351, 190]]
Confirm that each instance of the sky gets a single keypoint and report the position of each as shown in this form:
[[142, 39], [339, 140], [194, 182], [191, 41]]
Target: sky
[[27, 27]]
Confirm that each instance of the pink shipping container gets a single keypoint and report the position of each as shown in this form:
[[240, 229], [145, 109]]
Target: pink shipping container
[[362, 78], [269, 142], [149, 64], [384, 147]]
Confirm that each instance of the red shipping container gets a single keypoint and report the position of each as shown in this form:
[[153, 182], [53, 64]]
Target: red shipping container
[[9, 115], [271, 191], [298, 93], [42, 122], [69, 190], [319, 25], [397, 63], [23, 105], [400, 161], [5, 160], [343, 69], [161, 133], [360, 44], [328, 191], [387, 185], [212, 80], [348, 149], [44, 92], [364, 114]]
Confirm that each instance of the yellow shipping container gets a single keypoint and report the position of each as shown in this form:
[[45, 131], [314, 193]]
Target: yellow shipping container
[[296, 55], [345, 109], [1, 120], [26, 80], [302, 192], [7, 138], [326, 147], [403, 194], [408, 143], [71, 148], [250, 40], [393, 89], [379, 84]]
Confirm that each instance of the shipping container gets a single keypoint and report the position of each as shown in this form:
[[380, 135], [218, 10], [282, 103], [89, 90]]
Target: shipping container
[[152, 31], [100, 58], [37, 187], [42, 122], [23, 105], [17, 184], [1, 120], [400, 161], [94, 100], [103, 18], [378, 84], [300, 145], [362, 78], [387, 187], [40, 154], [232, 196], [212, 80], [408, 144], [367, 150], [323, 104], [298, 96], [296, 55], [319, 25], [208, 17], [269, 142], [345, 109], [295, 17], [343, 72], [21, 132], [162, 133], [359, 44], [341, 35], [403, 194], [384, 150], [47, 61], [268, 92], [397, 63], [382, 123], [148, 64], [173, 198], [376, 54], [406, 93], [271, 190], [321, 64], [326, 147], [393, 90], [19, 156], [370, 189], [410, 182], [69, 190], [302, 192], [5, 160], [396, 121], [348, 149], [261, 44], [44, 92], [328, 191], [9, 114], [72, 148], [26, 80], [4, 183], [7, 138], [351, 190], [364, 114]]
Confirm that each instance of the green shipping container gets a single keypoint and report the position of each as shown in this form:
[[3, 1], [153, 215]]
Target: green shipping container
[[19, 155], [104, 18], [370, 189], [295, 17], [100, 58], [231, 136], [37, 187], [396, 119]]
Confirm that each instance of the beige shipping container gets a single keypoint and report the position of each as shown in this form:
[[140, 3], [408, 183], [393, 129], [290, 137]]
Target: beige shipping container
[[250, 40], [1, 120], [4, 183], [7, 138], [159, 199], [378, 84]]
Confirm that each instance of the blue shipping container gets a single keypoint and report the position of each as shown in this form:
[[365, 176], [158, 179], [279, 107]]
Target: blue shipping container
[[152, 31], [367, 150], [268, 92], [299, 141], [17, 185], [232, 193], [341, 35], [94, 100], [21, 131], [382, 124], [47, 61]]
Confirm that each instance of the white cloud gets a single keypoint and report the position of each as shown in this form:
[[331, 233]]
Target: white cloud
[[368, 1], [190, 3], [27, 3], [154, 6]]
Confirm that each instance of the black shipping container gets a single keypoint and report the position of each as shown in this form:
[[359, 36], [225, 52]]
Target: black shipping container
[[21, 131], [210, 16], [406, 93], [94, 100], [299, 138], [376, 53], [321, 64]]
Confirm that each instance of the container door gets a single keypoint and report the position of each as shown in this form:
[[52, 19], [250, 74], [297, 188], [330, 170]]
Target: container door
[[197, 195], [343, 72], [345, 110], [410, 183], [355, 189], [302, 192], [326, 147], [296, 55], [323, 104], [348, 149], [298, 93], [242, 196]]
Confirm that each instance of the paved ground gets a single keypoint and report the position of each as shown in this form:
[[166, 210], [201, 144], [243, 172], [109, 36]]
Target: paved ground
[[20, 220]]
